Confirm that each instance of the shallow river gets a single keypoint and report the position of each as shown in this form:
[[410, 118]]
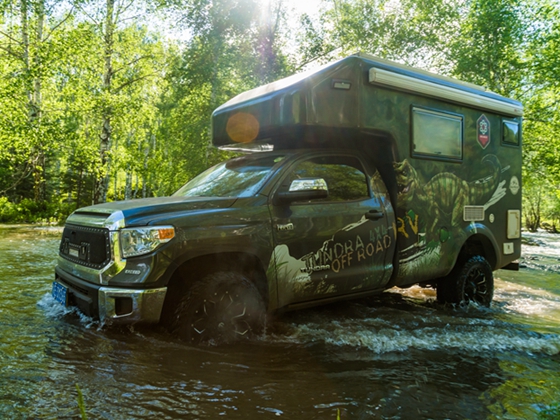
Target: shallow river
[[397, 356]]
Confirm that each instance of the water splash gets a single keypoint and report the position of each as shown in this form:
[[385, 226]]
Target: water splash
[[474, 338], [410, 319], [55, 310]]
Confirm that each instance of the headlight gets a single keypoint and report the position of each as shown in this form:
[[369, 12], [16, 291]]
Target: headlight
[[139, 241]]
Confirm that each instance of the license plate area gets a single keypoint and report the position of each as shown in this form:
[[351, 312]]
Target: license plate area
[[74, 250], [60, 293]]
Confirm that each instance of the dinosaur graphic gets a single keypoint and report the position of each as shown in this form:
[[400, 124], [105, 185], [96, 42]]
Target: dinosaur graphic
[[444, 196]]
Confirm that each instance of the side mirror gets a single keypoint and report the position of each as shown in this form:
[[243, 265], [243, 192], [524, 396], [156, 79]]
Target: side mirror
[[305, 189]]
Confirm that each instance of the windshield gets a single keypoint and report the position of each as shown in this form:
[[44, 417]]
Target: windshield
[[242, 177]]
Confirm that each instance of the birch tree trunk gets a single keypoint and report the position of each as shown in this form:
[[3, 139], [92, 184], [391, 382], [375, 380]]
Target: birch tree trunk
[[35, 106], [102, 181], [31, 54]]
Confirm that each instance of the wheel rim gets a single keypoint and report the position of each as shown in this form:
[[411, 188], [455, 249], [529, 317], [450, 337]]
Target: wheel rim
[[476, 288], [225, 316]]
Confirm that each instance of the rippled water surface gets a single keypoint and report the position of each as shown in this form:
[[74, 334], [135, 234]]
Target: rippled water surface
[[397, 356]]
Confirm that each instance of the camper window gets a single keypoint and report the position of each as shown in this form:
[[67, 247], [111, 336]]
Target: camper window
[[437, 134], [511, 133]]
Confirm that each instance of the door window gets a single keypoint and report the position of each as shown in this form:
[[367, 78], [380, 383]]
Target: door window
[[344, 175]]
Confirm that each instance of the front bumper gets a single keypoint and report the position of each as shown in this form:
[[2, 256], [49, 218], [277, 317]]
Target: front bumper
[[113, 305]]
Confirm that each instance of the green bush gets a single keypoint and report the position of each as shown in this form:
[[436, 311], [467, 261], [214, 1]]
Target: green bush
[[29, 211], [60, 211], [8, 211], [551, 413]]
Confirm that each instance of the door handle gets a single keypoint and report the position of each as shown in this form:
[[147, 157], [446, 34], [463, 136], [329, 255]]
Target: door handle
[[374, 214]]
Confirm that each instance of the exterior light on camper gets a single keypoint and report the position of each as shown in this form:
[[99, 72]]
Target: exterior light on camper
[[341, 84], [513, 224], [242, 127]]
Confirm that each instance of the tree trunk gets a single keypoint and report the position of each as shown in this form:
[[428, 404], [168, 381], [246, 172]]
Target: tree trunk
[[147, 150], [25, 39], [134, 195], [39, 178], [533, 213], [102, 181], [79, 188], [33, 91], [128, 183]]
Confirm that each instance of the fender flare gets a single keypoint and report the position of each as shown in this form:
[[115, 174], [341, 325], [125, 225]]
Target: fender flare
[[480, 236]]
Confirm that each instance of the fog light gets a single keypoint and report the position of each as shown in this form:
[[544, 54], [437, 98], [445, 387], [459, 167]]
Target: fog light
[[123, 306]]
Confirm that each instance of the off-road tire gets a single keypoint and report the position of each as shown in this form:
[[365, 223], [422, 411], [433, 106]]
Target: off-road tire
[[222, 308], [471, 280]]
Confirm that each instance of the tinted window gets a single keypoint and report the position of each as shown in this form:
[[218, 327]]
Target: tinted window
[[241, 177], [511, 132], [437, 134], [345, 177]]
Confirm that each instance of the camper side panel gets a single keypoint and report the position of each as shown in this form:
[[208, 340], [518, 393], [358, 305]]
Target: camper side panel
[[457, 175]]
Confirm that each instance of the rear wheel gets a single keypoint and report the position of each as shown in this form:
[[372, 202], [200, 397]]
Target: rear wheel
[[221, 308], [469, 281]]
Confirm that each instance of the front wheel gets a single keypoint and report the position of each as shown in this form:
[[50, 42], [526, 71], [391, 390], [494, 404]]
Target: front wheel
[[221, 308], [469, 281]]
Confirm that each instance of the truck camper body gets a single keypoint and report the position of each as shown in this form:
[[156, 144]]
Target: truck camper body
[[449, 152]]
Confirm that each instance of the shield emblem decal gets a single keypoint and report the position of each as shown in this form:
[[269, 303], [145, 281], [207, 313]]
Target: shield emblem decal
[[483, 129]]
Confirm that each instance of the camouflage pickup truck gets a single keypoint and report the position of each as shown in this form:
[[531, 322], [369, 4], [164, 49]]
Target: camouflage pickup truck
[[359, 176]]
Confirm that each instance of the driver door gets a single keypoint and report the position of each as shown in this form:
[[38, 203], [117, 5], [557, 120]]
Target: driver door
[[333, 246]]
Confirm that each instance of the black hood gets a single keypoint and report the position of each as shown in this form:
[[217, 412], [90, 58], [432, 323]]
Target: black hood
[[134, 210]]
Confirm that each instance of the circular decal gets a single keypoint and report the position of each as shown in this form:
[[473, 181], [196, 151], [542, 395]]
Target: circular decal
[[514, 185], [242, 127]]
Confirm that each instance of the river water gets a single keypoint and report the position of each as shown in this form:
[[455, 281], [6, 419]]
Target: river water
[[396, 356]]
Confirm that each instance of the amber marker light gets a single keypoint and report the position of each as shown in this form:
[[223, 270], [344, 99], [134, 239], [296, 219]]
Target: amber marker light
[[242, 127], [166, 234]]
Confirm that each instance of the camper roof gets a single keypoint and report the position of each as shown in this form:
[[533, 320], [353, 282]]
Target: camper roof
[[295, 101]]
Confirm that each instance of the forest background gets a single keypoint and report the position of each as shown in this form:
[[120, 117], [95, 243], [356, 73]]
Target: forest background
[[104, 100]]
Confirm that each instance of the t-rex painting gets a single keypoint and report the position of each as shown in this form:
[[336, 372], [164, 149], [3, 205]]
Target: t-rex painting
[[430, 213], [443, 197]]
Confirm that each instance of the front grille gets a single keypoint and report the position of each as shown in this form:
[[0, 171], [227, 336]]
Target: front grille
[[87, 246]]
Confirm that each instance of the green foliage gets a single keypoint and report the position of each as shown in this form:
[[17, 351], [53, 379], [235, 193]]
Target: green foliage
[[525, 394], [152, 105], [81, 403], [30, 211], [550, 413], [8, 212], [533, 197], [511, 47], [542, 120], [489, 48], [412, 32], [152, 101], [231, 50]]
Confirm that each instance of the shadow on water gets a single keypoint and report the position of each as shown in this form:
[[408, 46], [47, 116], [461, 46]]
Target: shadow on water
[[399, 355]]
